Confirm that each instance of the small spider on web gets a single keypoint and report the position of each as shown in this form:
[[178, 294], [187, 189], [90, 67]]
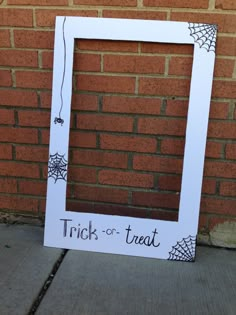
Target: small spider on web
[[57, 167]]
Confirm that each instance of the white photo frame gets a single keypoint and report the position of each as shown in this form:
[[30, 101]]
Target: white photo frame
[[117, 234]]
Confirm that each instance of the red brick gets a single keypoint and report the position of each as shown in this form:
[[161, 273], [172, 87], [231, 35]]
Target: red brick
[[48, 17], [225, 4], [85, 102], [166, 48], [17, 169], [34, 39], [5, 78], [225, 22], [45, 99], [200, 4], [177, 108], [45, 136], [131, 105], [47, 60], [82, 62], [164, 86], [99, 158], [224, 130], [218, 110], [163, 215], [157, 164], [7, 116], [203, 224], [213, 149], [134, 64], [8, 185], [173, 182], [28, 153], [34, 118], [102, 208], [180, 65], [42, 206], [32, 187], [33, 79], [18, 135], [18, 98], [224, 68], [45, 171], [183, 66], [107, 45], [172, 146], [230, 151], [102, 83], [156, 200], [5, 38], [131, 14], [220, 169], [18, 203], [218, 206], [226, 46], [121, 178], [83, 139], [87, 62], [16, 17], [38, 2], [162, 126], [105, 122], [125, 3], [228, 189], [128, 143], [209, 186], [5, 151], [18, 58], [169, 182], [101, 194], [82, 174]]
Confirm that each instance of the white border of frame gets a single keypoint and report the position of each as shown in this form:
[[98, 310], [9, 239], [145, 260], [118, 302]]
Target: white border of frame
[[117, 234]]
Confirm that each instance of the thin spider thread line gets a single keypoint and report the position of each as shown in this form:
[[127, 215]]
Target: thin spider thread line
[[64, 70]]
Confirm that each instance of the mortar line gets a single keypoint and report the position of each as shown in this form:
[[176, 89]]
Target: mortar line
[[47, 283]]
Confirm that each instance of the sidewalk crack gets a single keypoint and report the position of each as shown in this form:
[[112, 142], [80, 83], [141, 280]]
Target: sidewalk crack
[[47, 283]]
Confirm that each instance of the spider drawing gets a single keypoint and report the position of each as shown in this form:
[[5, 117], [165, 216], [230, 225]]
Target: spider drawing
[[59, 121], [57, 167]]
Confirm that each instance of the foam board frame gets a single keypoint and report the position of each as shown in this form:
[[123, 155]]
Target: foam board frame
[[117, 234]]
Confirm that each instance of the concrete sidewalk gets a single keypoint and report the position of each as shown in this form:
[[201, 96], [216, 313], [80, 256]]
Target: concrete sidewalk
[[46, 281]]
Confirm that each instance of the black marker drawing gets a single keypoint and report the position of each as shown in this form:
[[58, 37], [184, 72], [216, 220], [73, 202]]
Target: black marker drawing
[[58, 119], [184, 250], [57, 167], [204, 35]]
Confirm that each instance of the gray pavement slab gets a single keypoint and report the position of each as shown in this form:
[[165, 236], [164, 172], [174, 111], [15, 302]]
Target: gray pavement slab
[[24, 266], [103, 284]]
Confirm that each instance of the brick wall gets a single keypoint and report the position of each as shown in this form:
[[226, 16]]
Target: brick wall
[[128, 112]]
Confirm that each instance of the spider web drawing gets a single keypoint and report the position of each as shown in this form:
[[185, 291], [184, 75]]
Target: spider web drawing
[[204, 35], [57, 167], [184, 250]]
